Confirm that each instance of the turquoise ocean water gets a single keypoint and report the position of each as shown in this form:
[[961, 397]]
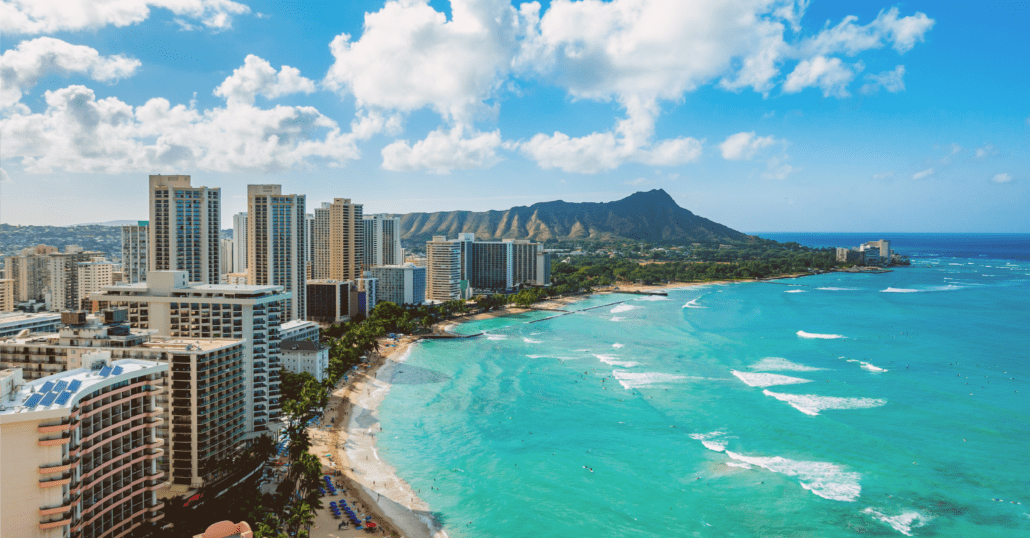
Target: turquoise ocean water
[[834, 405]]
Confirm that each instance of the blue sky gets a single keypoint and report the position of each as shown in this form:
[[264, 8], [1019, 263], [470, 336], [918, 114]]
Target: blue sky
[[765, 115]]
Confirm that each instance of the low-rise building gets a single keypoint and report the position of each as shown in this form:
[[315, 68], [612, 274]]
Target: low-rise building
[[305, 356], [13, 323], [80, 450], [298, 330]]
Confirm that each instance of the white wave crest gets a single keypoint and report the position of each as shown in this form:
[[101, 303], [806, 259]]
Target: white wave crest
[[755, 379], [803, 334], [903, 522], [831, 288], [614, 361], [644, 380], [812, 404], [824, 479], [496, 337], [693, 304], [869, 366], [779, 363], [712, 441], [618, 345], [652, 298], [795, 291], [618, 318], [623, 308], [740, 464], [899, 290], [949, 287], [531, 341]]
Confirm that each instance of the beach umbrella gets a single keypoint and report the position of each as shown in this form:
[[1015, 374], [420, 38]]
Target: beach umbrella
[[370, 525]]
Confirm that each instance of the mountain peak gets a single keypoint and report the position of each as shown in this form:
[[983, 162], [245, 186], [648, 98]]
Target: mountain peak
[[651, 197]]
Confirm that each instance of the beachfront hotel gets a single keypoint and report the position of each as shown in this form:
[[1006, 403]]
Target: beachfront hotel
[[382, 241], [171, 306], [484, 266], [80, 450], [443, 271], [400, 284], [134, 251], [184, 228], [276, 235], [346, 240]]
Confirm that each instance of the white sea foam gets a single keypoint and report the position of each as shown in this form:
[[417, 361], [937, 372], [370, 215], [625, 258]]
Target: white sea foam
[[614, 361], [899, 290], [711, 440], [531, 341], [824, 479], [618, 345], [803, 334], [781, 364], [652, 298], [868, 366], [755, 379], [949, 287], [618, 318], [496, 337], [693, 304], [812, 404], [623, 308], [740, 464], [644, 380], [830, 288], [903, 522], [795, 291]]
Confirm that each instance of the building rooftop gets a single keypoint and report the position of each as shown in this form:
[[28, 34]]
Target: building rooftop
[[299, 345], [65, 389], [190, 344], [18, 317], [293, 324]]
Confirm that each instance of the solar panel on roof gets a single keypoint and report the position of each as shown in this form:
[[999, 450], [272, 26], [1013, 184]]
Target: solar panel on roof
[[117, 370], [46, 387], [105, 371], [63, 398], [61, 385], [75, 385], [48, 399], [33, 400]]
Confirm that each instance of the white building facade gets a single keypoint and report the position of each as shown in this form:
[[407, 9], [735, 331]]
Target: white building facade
[[184, 228]]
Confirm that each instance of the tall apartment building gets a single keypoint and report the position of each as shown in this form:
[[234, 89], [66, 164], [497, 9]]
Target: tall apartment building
[[443, 270], [134, 251], [172, 306], [276, 228], [63, 268], [184, 228], [206, 403], [80, 450], [239, 243], [382, 241], [93, 276], [346, 243], [309, 223], [31, 275], [490, 266], [227, 257], [318, 242], [329, 301], [6, 294], [400, 284]]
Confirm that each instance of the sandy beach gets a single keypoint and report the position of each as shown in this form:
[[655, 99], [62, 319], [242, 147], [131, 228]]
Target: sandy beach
[[346, 438]]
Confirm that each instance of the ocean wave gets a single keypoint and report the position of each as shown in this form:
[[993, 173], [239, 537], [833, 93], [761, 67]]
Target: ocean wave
[[623, 308], [496, 337], [830, 288], [812, 404], [754, 379], [614, 361], [711, 440], [795, 291], [902, 522], [740, 464], [652, 298], [618, 345], [868, 366], [645, 380], [779, 363], [824, 479], [617, 318], [693, 304], [531, 341], [949, 287], [803, 334]]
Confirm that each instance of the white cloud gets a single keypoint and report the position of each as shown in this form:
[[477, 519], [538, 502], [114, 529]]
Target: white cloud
[[410, 57], [986, 150], [923, 173], [1002, 178], [884, 175], [892, 81], [776, 168], [23, 66], [440, 152], [743, 146], [258, 77], [954, 148], [79, 133], [829, 74], [849, 38], [4, 177], [49, 16]]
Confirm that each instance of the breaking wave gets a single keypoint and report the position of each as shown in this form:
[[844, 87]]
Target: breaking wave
[[824, 479], [623, 308], [803, 334], [767, 380], [531, 341], [795, 291], [903, 522], [644, 380], [781, 364], [693, 304], [712, 440], [812, 404], [614, 361]]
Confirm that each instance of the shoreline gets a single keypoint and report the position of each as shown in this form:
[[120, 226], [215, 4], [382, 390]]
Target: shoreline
[[353, 427]]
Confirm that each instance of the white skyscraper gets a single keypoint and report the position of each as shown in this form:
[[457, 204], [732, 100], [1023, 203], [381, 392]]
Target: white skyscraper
[[184, 228], [277, 233], [239, 241], [134, 251]]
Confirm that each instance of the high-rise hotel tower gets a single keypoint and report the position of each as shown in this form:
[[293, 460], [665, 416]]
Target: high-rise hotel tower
[[276, 230], [184, 228]]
